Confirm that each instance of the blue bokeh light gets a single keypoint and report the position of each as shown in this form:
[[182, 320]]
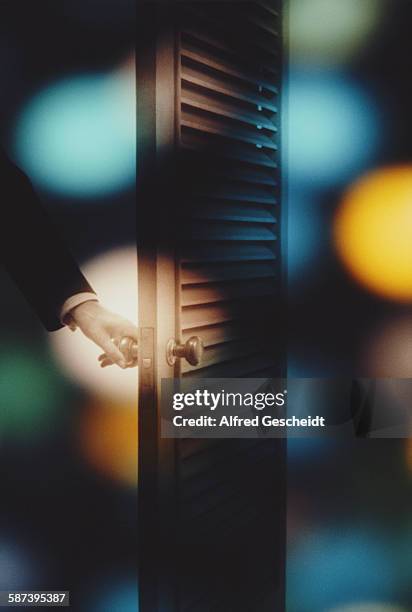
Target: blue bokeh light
[[307, 237], [309, 450], [334, 130], [77, 136], [18, 568], [332, 567], [119, 596], [95, 13]]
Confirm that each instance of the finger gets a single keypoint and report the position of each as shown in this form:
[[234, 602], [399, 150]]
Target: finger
[[104, 360], [106, 363], [113, 353]]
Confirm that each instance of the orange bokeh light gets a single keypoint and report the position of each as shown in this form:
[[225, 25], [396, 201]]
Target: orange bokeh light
[[109, 440], [373, 232]]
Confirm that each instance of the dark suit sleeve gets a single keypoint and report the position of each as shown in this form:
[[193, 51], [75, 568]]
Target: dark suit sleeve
[[32, 250]]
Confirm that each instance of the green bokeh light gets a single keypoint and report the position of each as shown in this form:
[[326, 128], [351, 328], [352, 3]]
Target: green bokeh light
[[331, 31], [33, 395]]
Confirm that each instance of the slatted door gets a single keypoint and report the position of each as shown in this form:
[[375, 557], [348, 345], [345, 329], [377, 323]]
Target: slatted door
[[228, 115], [223, 501]]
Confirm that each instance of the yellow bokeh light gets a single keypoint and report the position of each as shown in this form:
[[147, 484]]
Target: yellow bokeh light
[[109, 440], [373, 232]]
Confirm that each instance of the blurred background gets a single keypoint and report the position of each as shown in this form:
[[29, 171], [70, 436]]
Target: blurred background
[[68, 432], [348, 175]]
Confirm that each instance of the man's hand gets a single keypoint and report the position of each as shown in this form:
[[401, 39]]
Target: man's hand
[[106, 329]]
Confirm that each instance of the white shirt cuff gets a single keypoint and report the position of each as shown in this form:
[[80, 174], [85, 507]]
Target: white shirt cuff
[[72, 302]]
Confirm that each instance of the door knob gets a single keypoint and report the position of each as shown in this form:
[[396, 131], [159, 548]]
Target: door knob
[[128, 347], [191, 350]]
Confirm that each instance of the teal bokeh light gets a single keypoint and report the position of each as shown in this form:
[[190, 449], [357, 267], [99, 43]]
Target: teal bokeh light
[[333, 129], [118, 596], [77, 137], [331, 567]]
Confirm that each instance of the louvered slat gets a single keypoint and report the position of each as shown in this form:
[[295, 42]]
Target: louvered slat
[[205, 314], [233, 212], [199, 51], [194, 295], [239, 192], [213, 83], [227, 253], [226, 148], [241, 366], [206, 274], [215, 335], [215, 106], [248, 29]]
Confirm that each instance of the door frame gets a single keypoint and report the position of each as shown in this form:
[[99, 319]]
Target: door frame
[[157, 316]]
